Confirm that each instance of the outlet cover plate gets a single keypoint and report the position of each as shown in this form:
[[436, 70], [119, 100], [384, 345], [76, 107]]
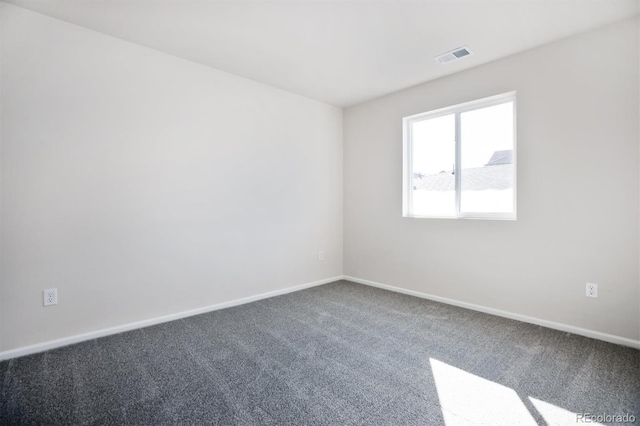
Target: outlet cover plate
[[50, 297], [592, 290]]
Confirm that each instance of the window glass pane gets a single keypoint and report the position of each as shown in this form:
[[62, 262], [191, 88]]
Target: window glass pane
[[434, 153], [487, 172]]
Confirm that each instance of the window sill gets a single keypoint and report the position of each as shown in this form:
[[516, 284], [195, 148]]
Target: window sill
[[510, 217]]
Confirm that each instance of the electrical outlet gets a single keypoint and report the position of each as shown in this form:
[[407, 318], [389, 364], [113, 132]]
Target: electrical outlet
[[50, 297], [592, 290], [321, 255]]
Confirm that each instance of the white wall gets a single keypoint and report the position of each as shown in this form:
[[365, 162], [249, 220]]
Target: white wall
[[1, 143], [140, 184], [578, 189]]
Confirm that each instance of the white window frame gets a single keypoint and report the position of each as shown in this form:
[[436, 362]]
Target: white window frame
[[407, 169]]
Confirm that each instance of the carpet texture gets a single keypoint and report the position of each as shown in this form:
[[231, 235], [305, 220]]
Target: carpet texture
[[337, 354]]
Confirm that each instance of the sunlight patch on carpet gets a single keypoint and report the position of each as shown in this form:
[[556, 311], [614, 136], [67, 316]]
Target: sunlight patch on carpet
[[469, 399]]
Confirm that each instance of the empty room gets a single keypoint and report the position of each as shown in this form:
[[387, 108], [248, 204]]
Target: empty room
[[321, 212]]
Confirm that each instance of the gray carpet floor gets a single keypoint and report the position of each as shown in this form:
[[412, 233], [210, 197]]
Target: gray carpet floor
[[337, 354]]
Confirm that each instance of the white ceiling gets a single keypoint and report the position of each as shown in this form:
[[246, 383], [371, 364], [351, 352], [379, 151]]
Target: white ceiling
[[340, 52]]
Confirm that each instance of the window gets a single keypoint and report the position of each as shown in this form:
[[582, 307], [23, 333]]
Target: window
[[460, 161]]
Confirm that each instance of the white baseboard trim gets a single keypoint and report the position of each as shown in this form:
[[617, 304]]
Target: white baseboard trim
[[65, 341], [505, 314]]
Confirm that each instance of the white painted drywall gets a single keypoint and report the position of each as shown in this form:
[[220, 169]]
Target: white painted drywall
[[578, 189], [142, 185], [1, 138]]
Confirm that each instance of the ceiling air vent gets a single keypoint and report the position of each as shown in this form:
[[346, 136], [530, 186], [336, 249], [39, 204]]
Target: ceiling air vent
[[453, 55]]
